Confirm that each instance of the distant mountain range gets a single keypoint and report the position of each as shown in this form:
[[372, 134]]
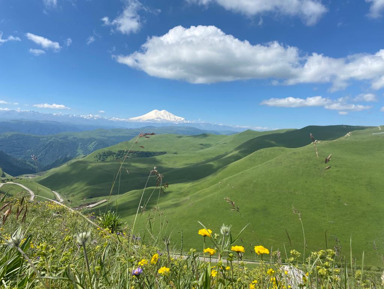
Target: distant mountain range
[[157, 118]]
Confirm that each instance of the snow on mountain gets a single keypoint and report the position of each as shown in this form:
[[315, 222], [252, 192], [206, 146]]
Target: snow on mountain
[[159, 116]]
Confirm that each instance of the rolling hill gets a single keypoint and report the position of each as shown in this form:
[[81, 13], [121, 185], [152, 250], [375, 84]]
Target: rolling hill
[[269, 180], [52, 150]]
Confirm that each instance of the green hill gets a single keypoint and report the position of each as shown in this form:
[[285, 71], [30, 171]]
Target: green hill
[[14, 166], [272, 178], [52, 150]]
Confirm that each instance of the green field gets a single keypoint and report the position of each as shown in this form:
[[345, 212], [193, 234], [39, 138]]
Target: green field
[[272, 177]]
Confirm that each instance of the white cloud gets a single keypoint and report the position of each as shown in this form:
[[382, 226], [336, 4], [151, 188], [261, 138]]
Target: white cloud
[[308, 10], [205, 54], [377, 7], [340, 104], [43, 42], [9, 38], [90, 40], [382, 109], [367, 97], [51, 106], [129, 20], [68, 42], [3, 102], [36, 52], [319, 68], [50, 3], [346, 106], [4, 109], [297, 102]]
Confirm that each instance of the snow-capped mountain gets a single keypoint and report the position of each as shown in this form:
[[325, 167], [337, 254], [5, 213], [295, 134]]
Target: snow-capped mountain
[[158, 116]]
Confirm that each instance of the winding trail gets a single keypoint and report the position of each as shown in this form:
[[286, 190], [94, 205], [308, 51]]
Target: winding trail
[[24, 187], [57, 195]]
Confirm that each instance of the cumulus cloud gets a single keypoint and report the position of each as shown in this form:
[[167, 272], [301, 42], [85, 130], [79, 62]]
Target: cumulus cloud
[[205, 54], [43, 42], [9, 38], [51, 106], [308, 10], [340, 104], [129, 20], [36, 52], [322, 69], [377, 7]]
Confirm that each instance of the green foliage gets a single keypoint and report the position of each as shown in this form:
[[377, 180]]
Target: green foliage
[[56, 247], [111, 221]]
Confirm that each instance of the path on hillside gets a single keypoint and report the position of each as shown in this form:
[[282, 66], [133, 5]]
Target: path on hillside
[[58, 197], [24, 187]]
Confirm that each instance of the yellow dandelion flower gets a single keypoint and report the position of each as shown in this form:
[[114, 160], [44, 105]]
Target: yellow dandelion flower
[[213, 273], [238, 249], [163, 270], [210, 251], [205, 232], [143, 262], [261, 250], [270, 272], [155, 258]]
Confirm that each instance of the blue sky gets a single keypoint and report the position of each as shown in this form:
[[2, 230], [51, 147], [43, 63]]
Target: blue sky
[[256, 63]]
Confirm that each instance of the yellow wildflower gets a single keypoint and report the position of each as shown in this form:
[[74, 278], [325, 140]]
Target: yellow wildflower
[[155, 258], [253, 284], [213, 273], [205, 232], [210, 251], [143, 262], [238, 249], [270, 272], [261, 250], [163, 270]]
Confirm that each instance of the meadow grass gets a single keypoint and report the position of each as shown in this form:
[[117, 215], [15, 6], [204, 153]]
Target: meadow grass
[[75, 251], [274, 191], [267, 175]]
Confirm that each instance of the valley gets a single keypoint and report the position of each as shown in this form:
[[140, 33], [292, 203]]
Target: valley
[[272, 182]]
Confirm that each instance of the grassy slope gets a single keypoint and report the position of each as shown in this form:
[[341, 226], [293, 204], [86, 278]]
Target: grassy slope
[[39, 190], [265, 180], [89, 178], [344, 201]]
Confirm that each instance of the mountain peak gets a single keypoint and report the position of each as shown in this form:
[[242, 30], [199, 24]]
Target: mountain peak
[[158, 116]]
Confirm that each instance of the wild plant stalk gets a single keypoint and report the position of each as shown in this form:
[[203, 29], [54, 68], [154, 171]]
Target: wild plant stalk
[[298, 213], [31, 264], [141, 199], [87, 264], [122, 163]]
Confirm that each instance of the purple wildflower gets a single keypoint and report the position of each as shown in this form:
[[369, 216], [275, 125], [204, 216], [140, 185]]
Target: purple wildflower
[[137, 271]]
